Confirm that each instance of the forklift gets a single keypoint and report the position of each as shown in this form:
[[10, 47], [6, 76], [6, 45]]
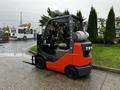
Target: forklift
[[64, 47]]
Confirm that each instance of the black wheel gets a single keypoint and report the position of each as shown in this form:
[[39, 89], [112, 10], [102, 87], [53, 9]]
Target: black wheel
[[40, 62], [71, 73], [24, 38], [86, 76]]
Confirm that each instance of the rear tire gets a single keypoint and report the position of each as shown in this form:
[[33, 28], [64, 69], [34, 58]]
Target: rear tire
[[24, 38], [40, 62], [71, 73]]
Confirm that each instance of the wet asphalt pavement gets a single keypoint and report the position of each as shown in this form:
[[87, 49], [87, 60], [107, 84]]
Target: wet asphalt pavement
[[16, 75], [16, 48]]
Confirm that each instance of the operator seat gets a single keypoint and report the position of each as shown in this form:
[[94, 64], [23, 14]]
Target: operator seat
[[60, 51]]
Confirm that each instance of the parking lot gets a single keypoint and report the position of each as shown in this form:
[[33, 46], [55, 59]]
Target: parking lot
[[17, 75]]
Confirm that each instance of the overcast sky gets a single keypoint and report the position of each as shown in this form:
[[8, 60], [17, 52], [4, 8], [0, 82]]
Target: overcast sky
[[33, 9]]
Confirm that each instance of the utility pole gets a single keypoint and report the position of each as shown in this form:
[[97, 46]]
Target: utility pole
[[20, 18]]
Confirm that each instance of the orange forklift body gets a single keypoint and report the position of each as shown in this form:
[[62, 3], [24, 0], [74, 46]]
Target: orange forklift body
[[74, 59]]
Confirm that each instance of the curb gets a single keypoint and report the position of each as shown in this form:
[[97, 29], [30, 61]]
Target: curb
[[113, 70], [32, 52]]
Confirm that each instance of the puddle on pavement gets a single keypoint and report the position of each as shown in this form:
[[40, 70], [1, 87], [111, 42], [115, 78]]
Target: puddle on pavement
[[13, 54]]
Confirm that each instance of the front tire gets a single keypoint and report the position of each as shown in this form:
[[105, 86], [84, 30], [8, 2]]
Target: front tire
[[24, 38], [40, 62], [71, 73]]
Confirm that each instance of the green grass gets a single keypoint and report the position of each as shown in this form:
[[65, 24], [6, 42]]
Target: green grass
[[104, 55], [108, 56], [34, 48]]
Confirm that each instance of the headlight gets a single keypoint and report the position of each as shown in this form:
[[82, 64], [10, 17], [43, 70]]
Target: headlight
[[88, 48]]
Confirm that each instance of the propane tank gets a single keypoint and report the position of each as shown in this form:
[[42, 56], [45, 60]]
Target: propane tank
[[81, 36]]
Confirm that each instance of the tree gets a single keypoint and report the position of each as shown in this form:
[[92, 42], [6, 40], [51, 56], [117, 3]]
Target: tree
[[78, 24], [5, 34], [6, 29], [102, 25], [66, 12], [92, 25], [43, 20], [52, 14], [26, 25], [109, 34], [79, 14]]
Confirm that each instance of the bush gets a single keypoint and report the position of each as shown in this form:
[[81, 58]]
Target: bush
[[99, 40], [119, 40], [6, 37], [116, 41], [34, 48]]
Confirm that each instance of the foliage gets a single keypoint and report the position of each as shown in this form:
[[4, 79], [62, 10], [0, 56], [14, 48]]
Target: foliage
[[99, 40], [117, 22], [26, 25], [4, 36], [78, 24], [66, 12], [43, 20], [34, 48], [51, 14], [92, 25], [109, 34], [1, 34], [6, 29], [102, 25], [79, 14]]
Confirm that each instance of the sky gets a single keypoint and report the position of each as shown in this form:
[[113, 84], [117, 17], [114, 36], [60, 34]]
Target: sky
[[33, 9]]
